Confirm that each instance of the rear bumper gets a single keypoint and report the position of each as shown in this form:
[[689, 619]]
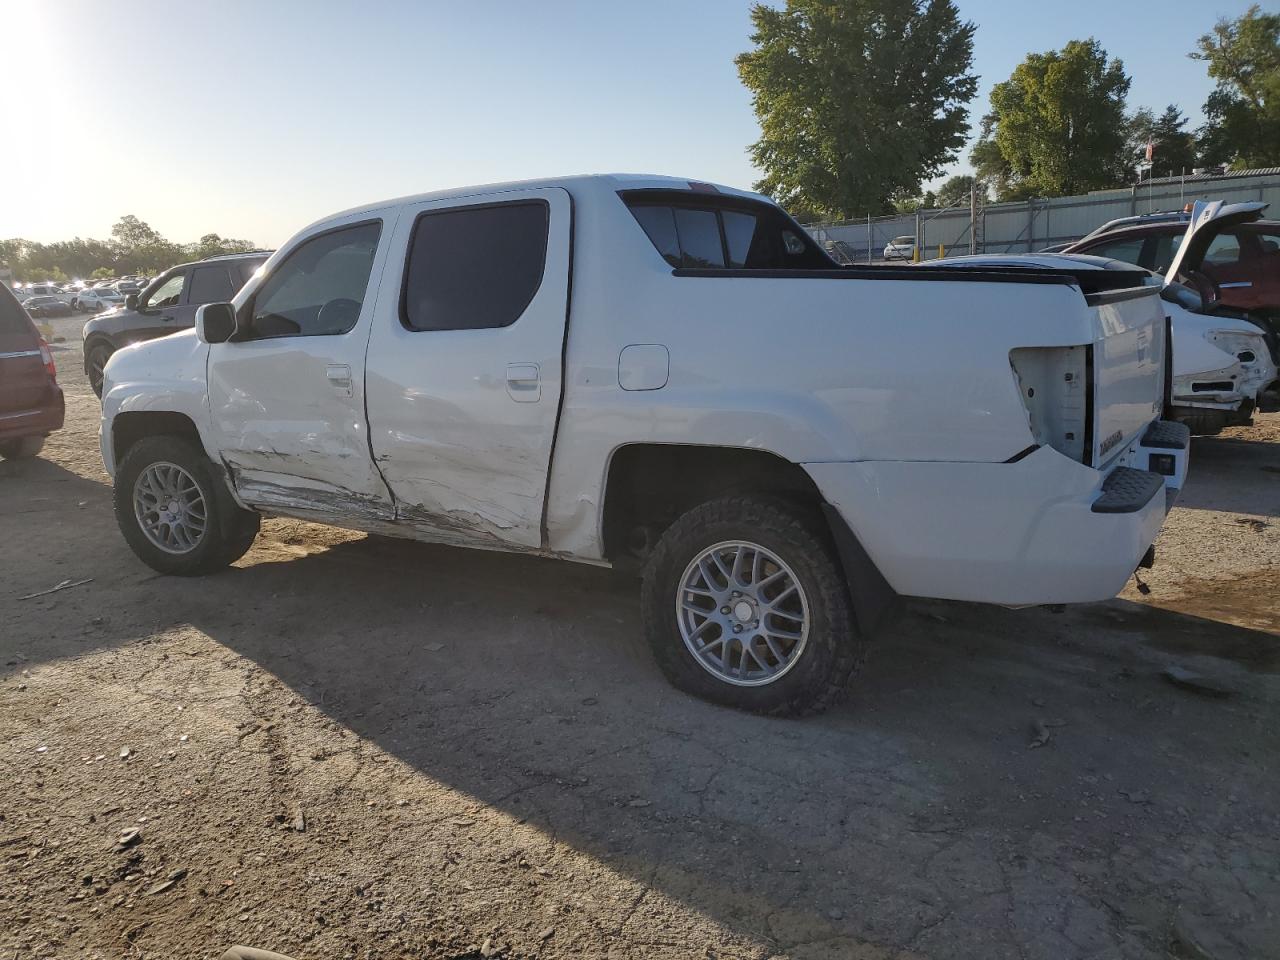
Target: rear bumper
[[1010, 533], [37, 422]]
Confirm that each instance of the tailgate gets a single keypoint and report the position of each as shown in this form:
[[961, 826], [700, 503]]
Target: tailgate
[[1128, 367]]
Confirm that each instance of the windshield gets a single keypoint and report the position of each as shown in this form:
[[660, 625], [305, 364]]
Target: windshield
[[903, 241]]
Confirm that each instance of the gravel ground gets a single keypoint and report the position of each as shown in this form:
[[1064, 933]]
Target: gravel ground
[[354, 747]]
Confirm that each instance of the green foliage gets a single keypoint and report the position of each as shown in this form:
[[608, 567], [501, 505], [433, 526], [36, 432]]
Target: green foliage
[[1175, 148], [955, 191], [212, 245], [1058, 124], [134, 248], [1243, 114], [859, 101]]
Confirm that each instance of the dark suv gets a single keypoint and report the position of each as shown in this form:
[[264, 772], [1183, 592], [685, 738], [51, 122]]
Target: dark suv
[[168, 304]]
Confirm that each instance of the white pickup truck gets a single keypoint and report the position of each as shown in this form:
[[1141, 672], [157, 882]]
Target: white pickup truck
[[616, 369]]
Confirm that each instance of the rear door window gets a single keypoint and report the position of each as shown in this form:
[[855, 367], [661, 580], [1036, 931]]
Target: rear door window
[[211, 285], [474, 268], [1224, 250]]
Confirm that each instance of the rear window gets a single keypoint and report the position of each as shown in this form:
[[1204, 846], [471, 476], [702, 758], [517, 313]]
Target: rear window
[[12, 318], [695, 232]]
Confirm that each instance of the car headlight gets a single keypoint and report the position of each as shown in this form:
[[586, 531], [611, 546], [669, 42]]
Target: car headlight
[[1245, 347]]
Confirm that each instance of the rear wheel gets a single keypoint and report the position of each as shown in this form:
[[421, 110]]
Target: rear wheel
[[176, 512], [744, 604], [23, 448]]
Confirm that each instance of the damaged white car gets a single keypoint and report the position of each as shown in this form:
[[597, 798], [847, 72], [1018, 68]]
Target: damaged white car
[[667, 373], [1221, 361]]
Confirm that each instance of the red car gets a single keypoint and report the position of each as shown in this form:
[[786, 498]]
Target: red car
[[31, 405], [1242, 263]]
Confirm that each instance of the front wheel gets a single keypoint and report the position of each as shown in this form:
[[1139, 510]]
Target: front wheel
[[176, 513], [744, 604], [95, 362]]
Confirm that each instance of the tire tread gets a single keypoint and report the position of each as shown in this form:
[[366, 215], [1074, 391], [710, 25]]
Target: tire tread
[[792, 522]]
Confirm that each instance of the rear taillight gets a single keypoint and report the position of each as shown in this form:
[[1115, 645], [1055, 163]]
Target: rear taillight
[[47, 357], [1054, 385]]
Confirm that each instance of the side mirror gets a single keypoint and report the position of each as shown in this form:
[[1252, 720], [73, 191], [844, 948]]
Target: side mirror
[[215, 322], [131, 302]]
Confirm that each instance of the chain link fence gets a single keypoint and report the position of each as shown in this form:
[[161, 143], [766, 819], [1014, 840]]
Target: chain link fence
[[1031, 225]]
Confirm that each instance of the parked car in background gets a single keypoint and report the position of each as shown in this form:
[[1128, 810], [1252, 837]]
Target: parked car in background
[[785, 446], [1221, 361], [48, 290], [31, 404], [97, 299], [43, 306], [167, 304], [900, 248], [1238, 267]]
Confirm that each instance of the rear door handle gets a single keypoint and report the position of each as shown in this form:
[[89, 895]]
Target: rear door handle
[[339, 377], [524, 382], [1235, 285]]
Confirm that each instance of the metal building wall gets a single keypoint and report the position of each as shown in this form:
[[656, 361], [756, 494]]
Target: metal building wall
[[1035, 224]]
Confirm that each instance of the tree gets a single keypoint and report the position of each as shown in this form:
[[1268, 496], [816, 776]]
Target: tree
[[1174, 149], [141, 249], [212, 245], [955, 191], [1058, 123], [1243, 114], [859, 101], [135, 248]]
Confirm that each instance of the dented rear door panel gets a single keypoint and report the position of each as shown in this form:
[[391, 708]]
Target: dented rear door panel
[[462, 421]]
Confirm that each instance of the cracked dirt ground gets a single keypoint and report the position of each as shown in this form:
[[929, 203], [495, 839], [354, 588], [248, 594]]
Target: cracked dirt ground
[[483, 760]]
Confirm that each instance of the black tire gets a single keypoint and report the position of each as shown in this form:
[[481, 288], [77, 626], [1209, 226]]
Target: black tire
[[94, 360], [229, 529], [23, 448], [797, 535]]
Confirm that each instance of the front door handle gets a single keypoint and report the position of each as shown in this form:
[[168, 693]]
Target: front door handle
[[524, 382], [339, 377]]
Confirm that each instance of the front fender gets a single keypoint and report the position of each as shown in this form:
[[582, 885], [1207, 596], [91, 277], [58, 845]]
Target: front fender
[[159, 376]]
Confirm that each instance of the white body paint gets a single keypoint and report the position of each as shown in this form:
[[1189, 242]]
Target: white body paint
[[897, 396]]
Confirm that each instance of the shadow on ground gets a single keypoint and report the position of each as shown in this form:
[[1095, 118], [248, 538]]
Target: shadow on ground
[[917, 817]]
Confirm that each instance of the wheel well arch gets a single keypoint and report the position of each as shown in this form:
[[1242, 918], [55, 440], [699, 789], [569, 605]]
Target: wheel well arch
[[128, 428], [96, 339], [649, 485]]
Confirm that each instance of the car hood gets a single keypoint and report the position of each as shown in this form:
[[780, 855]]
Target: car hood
[[1208, 219]]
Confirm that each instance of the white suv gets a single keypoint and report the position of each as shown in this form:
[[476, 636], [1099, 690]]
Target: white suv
[[97, 299]]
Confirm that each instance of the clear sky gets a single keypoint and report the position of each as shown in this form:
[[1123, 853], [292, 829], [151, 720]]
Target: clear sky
[[251, 118]]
